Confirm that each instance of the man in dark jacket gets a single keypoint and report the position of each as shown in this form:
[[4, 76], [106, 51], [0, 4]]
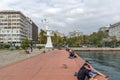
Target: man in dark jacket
[[83, 73]]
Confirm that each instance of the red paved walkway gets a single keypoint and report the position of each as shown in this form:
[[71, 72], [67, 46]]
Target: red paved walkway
[[53, 65]]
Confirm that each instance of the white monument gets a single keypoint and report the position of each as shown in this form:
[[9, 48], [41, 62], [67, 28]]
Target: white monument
[[49, 34]]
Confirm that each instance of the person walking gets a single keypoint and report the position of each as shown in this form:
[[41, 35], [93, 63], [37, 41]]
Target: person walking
[[31, 48]]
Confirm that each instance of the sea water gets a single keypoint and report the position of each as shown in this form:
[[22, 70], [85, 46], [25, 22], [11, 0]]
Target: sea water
[[107, 63]]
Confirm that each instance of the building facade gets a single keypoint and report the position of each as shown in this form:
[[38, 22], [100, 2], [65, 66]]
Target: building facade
[[59, 34], [104, 29], [75, 33], [15, 26], [34, 32], [114, 30]]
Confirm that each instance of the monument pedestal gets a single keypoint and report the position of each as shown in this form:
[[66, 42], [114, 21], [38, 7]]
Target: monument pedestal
[[49, 34], [49, 43]]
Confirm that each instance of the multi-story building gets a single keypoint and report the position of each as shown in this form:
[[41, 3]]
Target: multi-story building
[[59, 34], [114, 30], [14, 26], [34, 32], [104, 29], [75, 33]]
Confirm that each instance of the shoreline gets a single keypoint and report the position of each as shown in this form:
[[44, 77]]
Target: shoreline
[[106, 49], [97, 50]]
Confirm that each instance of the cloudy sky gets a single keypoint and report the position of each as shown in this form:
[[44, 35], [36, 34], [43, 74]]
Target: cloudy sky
[[68, 15]]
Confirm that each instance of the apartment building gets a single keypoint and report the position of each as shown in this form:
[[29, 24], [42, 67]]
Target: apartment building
[[34, 32], [59, 34], [104, 29], [75, 33], [14, 26], [114, 30]]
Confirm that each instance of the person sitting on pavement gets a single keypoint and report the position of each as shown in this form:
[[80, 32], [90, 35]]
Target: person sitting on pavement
[[92, 72], [83, 74], [72, 54]]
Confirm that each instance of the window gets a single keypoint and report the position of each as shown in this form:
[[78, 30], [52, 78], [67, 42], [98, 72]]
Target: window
[[1, 16], [14, 16], [13, 34], [9, 16], [17, 31], [5, 24], [1, 34], [9, 39], [7, 31], [3, 31]]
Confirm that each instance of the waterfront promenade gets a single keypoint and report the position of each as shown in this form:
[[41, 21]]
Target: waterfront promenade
[[8, 56], [52, 65]]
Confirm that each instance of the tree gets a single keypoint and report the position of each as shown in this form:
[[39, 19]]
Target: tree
[[113, 41], [97, 38], [42, 38], [93, 38], [57, 41], [25, 43], [86, 39]]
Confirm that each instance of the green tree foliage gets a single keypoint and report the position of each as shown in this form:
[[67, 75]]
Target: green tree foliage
[[85, 39], [25, 43], [70, 41], [57, 40], [97, 37], [39, 47], [17, 47], [42, 38], [75, 41], [94, 39], [7, 46], [113, 41]]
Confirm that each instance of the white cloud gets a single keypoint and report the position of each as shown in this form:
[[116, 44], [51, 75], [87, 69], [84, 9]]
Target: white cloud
[[52, 10], [65, 15], [70, 19], [77, 10]]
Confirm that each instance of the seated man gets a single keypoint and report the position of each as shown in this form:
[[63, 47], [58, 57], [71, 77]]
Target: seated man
[[82, 73], [92, 72], [72, 54]]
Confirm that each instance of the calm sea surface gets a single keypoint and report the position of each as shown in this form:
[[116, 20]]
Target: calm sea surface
[[107, 63]]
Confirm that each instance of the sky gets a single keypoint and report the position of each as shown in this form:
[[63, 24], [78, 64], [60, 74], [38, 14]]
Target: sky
[[65, 16]]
